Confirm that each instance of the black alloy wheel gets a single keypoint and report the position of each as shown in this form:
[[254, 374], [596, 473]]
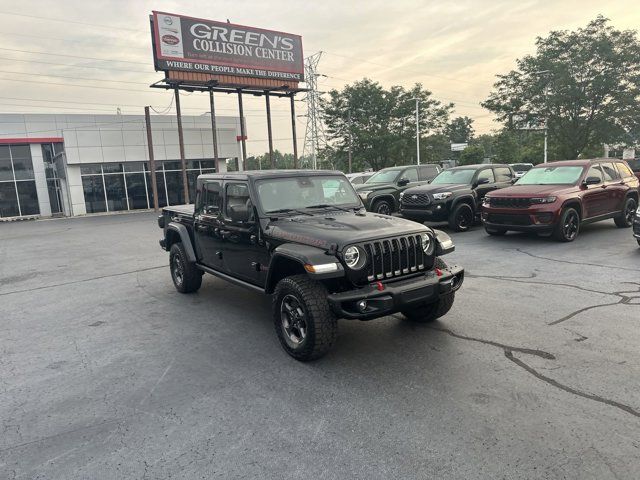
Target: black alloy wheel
[[293, 321], [625, 218], [569, 226], [461, 218]]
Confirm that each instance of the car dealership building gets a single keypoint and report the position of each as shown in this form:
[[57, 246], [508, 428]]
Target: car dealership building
[[68, 165]]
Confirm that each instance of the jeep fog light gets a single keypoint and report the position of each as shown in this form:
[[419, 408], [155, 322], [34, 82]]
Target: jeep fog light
[[362, 305]]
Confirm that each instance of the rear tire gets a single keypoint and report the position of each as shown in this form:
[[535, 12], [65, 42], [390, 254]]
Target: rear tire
[[461, 218], [625, 217], [496, 232], [304, 322], [186, 277], [568, 225], [430, 312]]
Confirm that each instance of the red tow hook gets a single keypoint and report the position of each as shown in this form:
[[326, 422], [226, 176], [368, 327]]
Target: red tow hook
[[379, 286], [438, 272]]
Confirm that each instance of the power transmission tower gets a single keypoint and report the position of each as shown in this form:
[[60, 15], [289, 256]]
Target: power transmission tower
[[314, 136]]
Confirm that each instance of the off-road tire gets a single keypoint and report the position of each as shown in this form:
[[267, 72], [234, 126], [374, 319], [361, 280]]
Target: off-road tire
[[385, 205], [560, 233], [321, 323], [190, 279], [495, 232], [456, 222], [625, 218], [430, 312]]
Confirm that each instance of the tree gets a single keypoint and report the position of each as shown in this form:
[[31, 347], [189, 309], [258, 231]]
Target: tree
[[471, 155], [460, 130], [584, 83], [381, 123]]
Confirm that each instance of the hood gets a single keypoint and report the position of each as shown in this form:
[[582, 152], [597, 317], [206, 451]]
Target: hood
[[373, 186], [339, 228], [438, 188], [524, 191]]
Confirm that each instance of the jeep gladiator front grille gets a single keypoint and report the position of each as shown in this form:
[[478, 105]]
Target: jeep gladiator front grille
[[394, 257]]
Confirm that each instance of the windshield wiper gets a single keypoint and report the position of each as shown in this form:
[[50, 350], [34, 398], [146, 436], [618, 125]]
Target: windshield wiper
[[288, 210], [327, 205]]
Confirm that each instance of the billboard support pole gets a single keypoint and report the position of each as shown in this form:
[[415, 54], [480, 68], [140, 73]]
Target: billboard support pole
[[243, 135], [214, 130], [183, 162], [272, 162], [152, 161], [293, 130]]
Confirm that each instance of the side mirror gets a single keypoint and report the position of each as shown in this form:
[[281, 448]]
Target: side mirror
[[239, 213], [591, 181], [403, 181], [513, 180], [482, 181]]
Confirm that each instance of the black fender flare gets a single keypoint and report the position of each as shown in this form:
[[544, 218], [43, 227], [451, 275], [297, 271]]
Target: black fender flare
[[185, 238], [384, 196], [302, 255], [463, 198]]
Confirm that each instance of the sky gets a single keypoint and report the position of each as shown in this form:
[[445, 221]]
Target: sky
[[77, 56]]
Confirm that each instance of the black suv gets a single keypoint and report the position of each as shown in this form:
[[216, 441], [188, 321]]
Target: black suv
[[381, 192], [455, 195], [304, 237]]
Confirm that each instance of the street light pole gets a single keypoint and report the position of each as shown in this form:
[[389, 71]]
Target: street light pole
[[545, 140], [417, 129], [350, 137]]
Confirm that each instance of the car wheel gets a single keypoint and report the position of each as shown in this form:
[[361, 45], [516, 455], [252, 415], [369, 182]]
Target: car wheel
[[461, 219], [430, 312], [304, 322], [625, 218], [186, 277], [568, 227], [496, 232], [383, 207]]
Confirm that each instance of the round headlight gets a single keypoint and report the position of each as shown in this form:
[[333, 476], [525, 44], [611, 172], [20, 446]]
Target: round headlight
[[428, 245], [354, 258]]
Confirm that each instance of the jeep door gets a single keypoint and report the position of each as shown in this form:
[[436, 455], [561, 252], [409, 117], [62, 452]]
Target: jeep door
[[207, 222], [594, 197], [239, 232]]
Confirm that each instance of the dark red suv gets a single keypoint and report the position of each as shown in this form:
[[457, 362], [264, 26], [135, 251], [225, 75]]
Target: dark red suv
[[556, 198]]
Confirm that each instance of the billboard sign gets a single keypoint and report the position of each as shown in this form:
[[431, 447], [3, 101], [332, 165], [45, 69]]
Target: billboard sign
[[218, 48], [458, 147]]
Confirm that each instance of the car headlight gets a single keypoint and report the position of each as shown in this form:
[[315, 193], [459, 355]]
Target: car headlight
[[428, 244], [355, 258], [541, 200], [441, 195], [486, 201]]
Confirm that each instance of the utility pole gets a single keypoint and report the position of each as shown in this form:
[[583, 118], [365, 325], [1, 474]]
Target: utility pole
[[545, 139], [314, 137], [418, 130], [350, 138]]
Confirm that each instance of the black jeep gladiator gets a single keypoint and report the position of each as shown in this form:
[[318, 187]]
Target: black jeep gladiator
[[305, 237]]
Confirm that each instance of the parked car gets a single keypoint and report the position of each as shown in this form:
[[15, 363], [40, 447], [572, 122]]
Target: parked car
[[359, 177], [455, 195], [381, 192], [635, 166], [521, 168], [556, 198], [303, 237]]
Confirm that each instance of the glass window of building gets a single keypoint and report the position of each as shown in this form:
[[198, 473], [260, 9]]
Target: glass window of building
[[18, 194], [111, 187]]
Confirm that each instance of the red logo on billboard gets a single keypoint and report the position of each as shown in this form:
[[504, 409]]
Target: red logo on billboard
[[170, 39]]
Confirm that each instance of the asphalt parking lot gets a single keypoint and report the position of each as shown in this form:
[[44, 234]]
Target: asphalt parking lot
[[107, 372]]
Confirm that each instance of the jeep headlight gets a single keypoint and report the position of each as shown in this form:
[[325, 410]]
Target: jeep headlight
[[441, 195], [542, 200], [355, 258], [428, 244]]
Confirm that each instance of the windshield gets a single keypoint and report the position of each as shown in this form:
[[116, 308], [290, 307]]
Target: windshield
[[281, 194], [551, 176], [521, 167], [385, 176], [457, 176]]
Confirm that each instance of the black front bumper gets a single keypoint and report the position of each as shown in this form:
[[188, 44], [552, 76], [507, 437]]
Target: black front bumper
[[636, 227], [428, 213], [397, 295]]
